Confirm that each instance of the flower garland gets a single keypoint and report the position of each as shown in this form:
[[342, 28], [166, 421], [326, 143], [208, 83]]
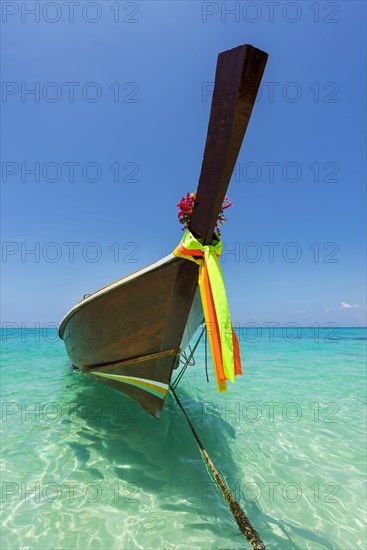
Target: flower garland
[[186, 206]]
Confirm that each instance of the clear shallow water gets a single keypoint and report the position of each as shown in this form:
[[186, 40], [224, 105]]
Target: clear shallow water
[[83, 467]]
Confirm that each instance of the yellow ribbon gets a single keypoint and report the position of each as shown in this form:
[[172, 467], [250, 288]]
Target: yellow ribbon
[[222, 339]]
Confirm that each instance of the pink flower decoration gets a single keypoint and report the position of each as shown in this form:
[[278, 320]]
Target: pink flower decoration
[[186, 206]]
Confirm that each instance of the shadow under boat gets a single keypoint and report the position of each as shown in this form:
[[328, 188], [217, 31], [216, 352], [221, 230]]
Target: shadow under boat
[[149, 457], [155, 457]]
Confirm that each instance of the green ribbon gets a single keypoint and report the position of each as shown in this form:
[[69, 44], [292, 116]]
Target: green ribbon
[[211, 253]]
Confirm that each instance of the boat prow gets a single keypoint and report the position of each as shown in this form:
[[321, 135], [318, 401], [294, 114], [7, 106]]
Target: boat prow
[[129, 334]]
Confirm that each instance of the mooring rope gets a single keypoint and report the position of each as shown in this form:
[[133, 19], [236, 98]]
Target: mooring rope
[[242, 520], [206, 356], [187, 361]]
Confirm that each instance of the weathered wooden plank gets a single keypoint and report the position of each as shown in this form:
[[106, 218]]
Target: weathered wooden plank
[[237, 80]]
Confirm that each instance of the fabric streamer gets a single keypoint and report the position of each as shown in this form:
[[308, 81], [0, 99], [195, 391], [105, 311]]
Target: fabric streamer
[[222, 338]]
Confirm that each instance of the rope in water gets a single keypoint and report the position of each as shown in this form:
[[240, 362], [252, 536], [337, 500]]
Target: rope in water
[[242, 520]]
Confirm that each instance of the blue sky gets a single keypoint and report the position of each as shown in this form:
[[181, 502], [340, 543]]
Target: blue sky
[[126, 91]]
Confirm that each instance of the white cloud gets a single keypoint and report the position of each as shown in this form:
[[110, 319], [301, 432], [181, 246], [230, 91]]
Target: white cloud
[[344, 305]]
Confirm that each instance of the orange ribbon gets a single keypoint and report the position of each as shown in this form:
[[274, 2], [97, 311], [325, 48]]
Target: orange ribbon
[[222, 338]]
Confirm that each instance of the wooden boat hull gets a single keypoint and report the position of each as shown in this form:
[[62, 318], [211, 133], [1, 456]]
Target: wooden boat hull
[[130, 333]]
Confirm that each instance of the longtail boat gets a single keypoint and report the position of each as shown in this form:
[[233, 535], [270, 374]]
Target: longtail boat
[[130, 334]]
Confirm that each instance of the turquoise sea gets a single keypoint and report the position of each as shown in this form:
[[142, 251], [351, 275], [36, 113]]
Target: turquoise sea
[[84, 468]]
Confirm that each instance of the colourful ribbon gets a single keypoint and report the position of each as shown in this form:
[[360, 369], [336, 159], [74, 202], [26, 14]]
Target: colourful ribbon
[[222, 338]]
